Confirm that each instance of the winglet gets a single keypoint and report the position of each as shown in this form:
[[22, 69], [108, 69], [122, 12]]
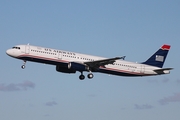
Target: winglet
[[123, 57]]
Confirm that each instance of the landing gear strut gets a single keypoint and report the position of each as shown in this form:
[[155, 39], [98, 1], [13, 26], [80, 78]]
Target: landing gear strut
[[81, 77], [24, 65]]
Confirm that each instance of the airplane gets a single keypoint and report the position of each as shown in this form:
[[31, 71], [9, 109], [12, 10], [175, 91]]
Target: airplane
[[70, 62]]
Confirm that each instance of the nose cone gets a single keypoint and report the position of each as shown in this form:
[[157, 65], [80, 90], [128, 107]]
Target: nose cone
[[9, 52], [13, 52]]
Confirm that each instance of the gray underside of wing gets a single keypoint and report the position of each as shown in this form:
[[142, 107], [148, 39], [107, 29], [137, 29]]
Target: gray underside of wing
[[103, 62]]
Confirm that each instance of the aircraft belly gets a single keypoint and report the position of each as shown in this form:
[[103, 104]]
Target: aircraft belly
[[119, 72]]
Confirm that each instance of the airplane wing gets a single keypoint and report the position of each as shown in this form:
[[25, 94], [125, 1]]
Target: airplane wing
[[96, 64]]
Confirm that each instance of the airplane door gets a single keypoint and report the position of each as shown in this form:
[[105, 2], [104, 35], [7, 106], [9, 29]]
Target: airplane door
[[27, 49], [59, 55], [142, 68]]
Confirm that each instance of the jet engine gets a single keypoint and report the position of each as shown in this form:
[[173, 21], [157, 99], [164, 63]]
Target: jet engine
[[78, 66], [64, 69]]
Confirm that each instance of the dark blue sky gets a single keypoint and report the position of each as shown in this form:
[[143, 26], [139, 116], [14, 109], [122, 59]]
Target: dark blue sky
[[105, 28]]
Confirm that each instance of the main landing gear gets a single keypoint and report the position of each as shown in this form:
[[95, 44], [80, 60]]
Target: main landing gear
[[82, 77], [24, 65]]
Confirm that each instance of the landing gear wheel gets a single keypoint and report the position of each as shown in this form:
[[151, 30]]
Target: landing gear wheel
[[81, 77], [23, 66], [90, 76]]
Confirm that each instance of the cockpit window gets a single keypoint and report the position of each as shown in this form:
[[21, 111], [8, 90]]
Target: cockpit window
[[16, 48]]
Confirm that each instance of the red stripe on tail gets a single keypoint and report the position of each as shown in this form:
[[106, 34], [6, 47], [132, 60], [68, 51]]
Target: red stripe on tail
[[166, 47]]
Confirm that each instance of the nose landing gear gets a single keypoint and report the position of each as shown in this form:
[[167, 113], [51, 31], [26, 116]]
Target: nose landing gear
[[24, 65]]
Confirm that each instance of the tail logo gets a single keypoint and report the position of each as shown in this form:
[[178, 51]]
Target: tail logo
[[159, 58], [166, 47]]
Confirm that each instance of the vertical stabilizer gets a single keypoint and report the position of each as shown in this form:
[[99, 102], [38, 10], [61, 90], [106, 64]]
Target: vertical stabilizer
[[159, 57]]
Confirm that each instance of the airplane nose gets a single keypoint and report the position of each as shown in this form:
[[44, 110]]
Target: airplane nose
[[8, 52]]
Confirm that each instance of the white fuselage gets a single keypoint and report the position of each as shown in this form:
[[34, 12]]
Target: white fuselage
[[54, 57]]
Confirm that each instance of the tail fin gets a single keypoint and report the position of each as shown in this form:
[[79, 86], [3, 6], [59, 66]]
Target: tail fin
[[159, 57]]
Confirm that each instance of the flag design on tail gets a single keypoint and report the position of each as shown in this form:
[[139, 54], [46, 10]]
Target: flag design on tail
[[158, 58]]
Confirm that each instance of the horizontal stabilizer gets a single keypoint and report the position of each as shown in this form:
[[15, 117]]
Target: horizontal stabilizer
[[163, 70]]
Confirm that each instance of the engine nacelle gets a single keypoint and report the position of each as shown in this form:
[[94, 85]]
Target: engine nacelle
[[64, 69], [78, 66]]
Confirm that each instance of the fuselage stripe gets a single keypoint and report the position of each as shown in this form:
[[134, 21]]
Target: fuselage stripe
[[63, 61]]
